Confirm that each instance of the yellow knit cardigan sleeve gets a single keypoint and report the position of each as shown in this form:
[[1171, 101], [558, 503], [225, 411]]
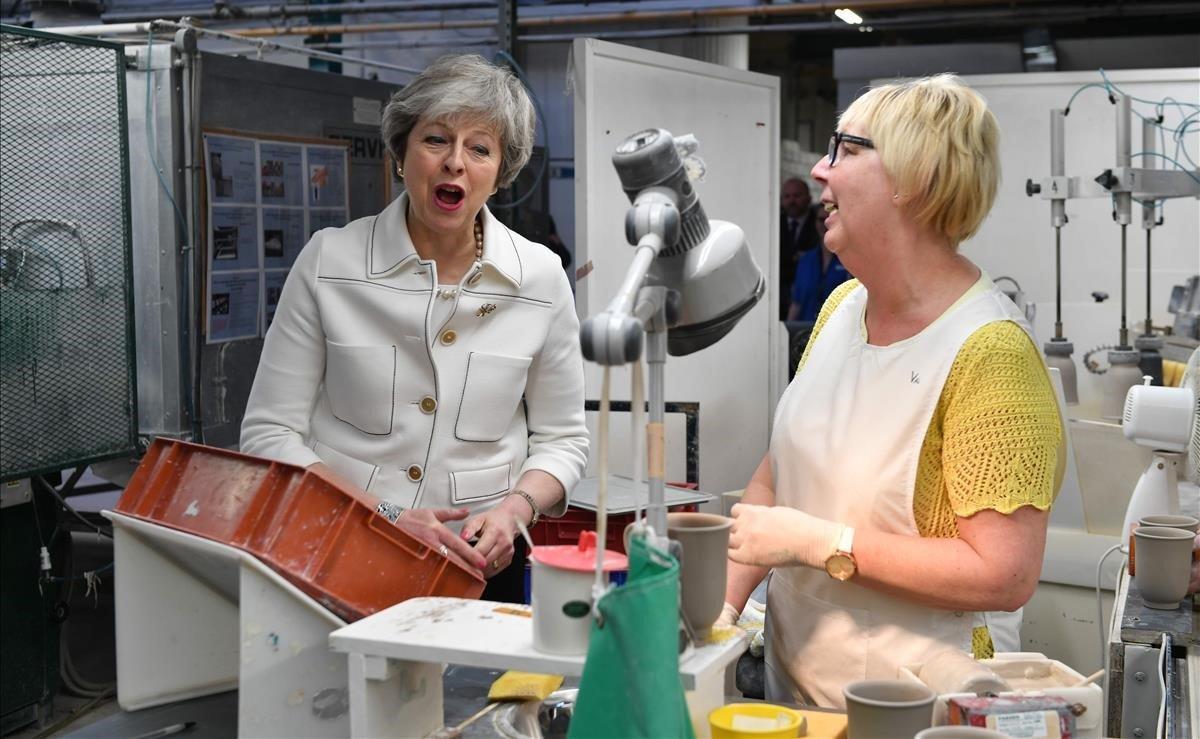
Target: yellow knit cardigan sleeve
[[995, 440]]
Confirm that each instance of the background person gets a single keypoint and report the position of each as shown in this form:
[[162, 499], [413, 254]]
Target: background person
[[429, 355], [797, 234], [817, 274], [915, 456]]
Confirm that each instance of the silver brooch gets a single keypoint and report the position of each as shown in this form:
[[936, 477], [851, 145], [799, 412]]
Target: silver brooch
[[485, 309]]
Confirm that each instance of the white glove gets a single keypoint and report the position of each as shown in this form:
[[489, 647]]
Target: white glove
[[729, 616], [779, 536]]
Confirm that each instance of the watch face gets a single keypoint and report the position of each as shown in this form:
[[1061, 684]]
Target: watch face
[[840, 566]]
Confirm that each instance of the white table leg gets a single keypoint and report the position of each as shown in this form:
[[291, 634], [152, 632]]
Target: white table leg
[[708, 694], [393, 698]]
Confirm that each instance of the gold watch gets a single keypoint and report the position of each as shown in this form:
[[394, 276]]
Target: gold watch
[[841, 565]]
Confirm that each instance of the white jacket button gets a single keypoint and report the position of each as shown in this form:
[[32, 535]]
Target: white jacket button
[[428, 404], [415, 473], [448, 337]]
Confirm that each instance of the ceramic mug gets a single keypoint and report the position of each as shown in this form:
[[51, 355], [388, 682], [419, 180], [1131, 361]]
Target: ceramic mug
[[887, 708], [1171, 521], [1164, 565], [704, 538]]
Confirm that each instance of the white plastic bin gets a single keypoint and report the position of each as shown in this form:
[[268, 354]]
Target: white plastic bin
[[1033, 673]]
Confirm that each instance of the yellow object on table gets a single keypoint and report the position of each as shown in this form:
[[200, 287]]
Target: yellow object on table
[[769, 721], [523, 686]]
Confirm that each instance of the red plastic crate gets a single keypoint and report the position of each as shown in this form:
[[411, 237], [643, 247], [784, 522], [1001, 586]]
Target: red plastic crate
[[326, 540], [566, 529]]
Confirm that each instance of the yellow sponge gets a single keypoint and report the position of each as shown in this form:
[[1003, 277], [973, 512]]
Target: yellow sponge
[[520, 686]]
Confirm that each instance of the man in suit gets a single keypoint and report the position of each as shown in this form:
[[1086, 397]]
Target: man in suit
[[797, 234]]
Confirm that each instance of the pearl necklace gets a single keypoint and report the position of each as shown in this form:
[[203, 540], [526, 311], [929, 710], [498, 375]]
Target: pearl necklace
[[447, 293]]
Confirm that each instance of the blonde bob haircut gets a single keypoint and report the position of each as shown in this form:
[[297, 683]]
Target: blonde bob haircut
[[940, 145]]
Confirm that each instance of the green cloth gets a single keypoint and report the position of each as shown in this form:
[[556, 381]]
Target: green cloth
[[630, 685]]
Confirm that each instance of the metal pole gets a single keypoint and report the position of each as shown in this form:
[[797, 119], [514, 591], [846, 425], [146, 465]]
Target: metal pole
[[656, 359], [1124, 333], [1058, 334], [1123, 202], [1148, 162], [506, 27], [1058, 207]]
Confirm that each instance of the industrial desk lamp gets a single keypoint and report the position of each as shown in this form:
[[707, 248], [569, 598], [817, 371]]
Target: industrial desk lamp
[[690, 282]]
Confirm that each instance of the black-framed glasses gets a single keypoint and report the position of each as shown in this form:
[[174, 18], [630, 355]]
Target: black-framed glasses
[[835, 143]]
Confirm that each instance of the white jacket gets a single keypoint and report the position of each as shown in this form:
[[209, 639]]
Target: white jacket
[[354, 375]]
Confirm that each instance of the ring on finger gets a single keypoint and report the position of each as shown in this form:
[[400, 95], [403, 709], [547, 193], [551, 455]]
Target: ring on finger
[[496, 564], [443, 550]]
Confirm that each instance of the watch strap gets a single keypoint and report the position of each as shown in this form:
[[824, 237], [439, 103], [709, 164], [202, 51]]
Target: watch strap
[[532, 506]]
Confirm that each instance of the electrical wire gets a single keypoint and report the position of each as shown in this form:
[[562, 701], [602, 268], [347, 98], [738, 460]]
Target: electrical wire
[[1088, 86], [84, 576], [1108, 84], [1169, 159], [72, 679], [1178, 132], [1100, 602], [66, 507]]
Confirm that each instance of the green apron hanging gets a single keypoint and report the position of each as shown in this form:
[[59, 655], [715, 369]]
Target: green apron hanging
[[630, 685]]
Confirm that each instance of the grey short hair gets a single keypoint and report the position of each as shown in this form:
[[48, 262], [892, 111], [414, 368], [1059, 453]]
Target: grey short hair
[[466, 84]]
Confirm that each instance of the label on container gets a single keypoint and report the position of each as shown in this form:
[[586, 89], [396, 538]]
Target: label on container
[[1031, 724], [576, 608]]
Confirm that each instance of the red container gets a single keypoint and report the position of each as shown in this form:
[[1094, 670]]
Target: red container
[[567, 528], [326, 540]]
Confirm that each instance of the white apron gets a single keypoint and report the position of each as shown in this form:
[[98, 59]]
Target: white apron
[[845, 446]]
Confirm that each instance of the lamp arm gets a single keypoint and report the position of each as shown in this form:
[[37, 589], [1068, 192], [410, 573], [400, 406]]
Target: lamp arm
[[614, 335]]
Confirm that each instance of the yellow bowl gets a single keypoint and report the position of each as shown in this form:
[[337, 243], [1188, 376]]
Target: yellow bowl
[[756, 721]]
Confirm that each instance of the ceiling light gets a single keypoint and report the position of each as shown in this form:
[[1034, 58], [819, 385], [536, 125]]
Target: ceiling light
[[848, 15]]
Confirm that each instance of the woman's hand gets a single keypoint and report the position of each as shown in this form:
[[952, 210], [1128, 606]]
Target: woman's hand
[[428, 525], [495, 529], [779, 536], [729, 616]]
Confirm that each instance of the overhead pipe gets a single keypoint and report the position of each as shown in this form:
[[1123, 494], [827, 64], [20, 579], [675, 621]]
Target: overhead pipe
[[633, 16], [133, 30], [273, 12], [924, 21]]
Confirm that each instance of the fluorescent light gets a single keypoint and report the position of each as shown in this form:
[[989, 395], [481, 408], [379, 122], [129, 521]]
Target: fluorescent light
[[848, 15]]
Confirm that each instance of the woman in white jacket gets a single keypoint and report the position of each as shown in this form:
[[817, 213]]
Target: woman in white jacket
[[429, 355]]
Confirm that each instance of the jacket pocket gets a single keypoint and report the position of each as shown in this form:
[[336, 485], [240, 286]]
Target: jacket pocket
[[355, 471], [492, 389], [361, 384], [473, 486]]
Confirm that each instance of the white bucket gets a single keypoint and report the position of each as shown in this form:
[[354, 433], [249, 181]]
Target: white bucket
[[562, 593]]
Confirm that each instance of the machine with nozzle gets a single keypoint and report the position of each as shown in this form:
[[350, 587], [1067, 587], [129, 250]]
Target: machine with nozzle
[[1148, 185]]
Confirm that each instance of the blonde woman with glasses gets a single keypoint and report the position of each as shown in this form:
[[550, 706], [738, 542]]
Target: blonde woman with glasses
[[914, 458]]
